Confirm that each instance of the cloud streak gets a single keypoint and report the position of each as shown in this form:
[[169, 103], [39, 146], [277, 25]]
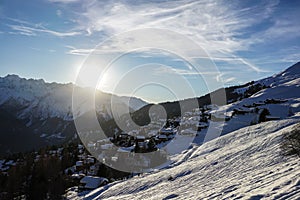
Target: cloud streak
[[29, 29], [217, 26], [223, 29]]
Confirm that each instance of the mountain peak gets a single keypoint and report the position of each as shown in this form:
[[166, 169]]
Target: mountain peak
[[292, 70], [16, 78], [12, 77]]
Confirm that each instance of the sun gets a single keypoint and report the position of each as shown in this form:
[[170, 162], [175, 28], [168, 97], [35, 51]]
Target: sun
[[104, 82]]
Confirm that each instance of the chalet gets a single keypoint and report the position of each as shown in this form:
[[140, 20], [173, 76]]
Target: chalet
[[211, 107], [79, 166], [219, 116], [188, 132], [77, 176], [162, 138], [155, 139], [90, 160], [125, 149], [81, 157], [187, 114], [92, 170], [140, 142], [167, 131], [201, 126], [92, 182], [80, 148]]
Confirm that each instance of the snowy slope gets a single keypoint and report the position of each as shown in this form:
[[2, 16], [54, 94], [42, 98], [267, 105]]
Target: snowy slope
[[284, 86], [245, 164], [285, 76]]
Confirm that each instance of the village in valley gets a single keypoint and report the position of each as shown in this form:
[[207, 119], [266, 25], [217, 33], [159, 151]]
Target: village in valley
[[152, 138], [84, 172]]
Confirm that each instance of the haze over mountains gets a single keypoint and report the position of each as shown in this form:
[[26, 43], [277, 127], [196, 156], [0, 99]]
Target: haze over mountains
[[40, 113], [35, 113]]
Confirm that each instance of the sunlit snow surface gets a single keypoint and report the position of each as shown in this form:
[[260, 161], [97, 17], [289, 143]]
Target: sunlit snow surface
[[245, 163]]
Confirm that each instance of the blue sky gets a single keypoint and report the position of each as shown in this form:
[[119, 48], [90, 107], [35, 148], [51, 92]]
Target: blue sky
[[246, 40]]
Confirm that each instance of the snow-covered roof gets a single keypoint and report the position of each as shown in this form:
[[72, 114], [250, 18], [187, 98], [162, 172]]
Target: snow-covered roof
[[162, 137], [77, 175], [92, 182], [125, 149], [166, 130], [91, 144], [140, 137], [188, 132], [90, 160], [202, 125], [79, 163]]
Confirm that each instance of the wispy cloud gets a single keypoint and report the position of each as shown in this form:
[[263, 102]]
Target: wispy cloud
[[223, 29], [185, 72], [82, 52], [223, 77], [217, 26], [30, 29], [250, 65]]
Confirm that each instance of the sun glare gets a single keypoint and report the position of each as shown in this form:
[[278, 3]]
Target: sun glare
[[104, 82]]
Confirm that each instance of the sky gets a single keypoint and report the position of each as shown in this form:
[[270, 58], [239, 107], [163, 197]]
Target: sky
[[238, 41]]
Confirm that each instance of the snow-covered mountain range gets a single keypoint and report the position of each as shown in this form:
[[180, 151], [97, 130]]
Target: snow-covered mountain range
[[39, 99], [245, 162], [45, 109]]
